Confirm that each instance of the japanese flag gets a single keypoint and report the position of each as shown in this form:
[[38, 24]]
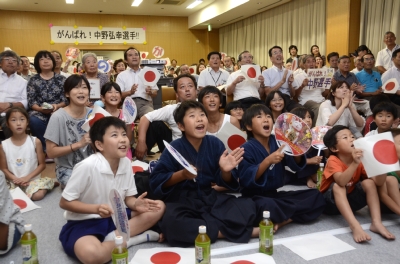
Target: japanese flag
[[94, 114], [149, 76], [143, 55], [170, 255], [193, 69], [22, 200], [295, 64], [379, 154], [390, 86], [139, 166], [231, 136], [246, 259], [251, 72]]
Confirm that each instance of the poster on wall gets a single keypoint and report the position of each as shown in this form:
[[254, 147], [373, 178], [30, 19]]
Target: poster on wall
[[96, 35]]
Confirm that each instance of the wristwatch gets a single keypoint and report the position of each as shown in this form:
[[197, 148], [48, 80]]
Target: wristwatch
[[11, 105]]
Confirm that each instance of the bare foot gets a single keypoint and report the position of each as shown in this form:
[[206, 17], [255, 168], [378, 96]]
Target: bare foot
[[277, 226], [381, 229], [311, 183], [161, 239], [359, 235]]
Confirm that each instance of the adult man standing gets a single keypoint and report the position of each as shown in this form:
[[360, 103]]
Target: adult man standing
[[213, 75], [12, 86], [131, 85], [384, 58], [246, 91], [26, 64], [394, 72], [278, 78], [228, 64], [369, 78], [152, 128]]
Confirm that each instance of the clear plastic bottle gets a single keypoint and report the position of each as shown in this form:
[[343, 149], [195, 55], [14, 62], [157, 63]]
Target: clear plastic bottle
[[29, 246], [266, 236], [120, 253], [203, 247], [319, 175]]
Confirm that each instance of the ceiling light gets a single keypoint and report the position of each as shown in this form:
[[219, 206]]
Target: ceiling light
[[69, 1], [136, 2], [194, 4]]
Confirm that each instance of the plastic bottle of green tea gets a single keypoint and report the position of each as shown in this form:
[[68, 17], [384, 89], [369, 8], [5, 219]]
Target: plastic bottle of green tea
[[120, 253], [29, 246], [266, 235], [319, 175], [202, 247]]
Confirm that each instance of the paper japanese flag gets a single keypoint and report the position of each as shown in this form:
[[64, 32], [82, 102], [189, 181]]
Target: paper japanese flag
[[390, 86], [139, 166], [246, 259], [379, 154], [295, 64], [143, 54], [170, 255], [22, 200], [231, 136], [193, 69], [158, 52], [251, 72], [94, 114], [149, 76]]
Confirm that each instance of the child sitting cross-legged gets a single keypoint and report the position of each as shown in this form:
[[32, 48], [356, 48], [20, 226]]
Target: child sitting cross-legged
[[345, 185], [90, 231]]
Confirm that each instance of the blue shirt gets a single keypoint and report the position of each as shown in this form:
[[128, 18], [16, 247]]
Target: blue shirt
[[371, 81]]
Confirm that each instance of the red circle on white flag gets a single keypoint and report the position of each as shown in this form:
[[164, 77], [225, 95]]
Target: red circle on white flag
[[191, 70], [166, 257], [385, 152], [20, 203], [235, 141], [243, 262], [251, 72], [390, 86], [143, 55], [149, 76], [137, 169]]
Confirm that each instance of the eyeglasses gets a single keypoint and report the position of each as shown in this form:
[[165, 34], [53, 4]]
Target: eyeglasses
[[277, 52], [10, 60]]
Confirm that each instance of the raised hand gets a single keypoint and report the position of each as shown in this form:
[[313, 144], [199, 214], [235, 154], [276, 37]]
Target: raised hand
[[229, 161], [357, 155], [277, 156], [143, 205]]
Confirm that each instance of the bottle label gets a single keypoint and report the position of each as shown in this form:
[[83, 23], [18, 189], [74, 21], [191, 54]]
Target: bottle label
[[120, 258], [29, 251], [203, 253]]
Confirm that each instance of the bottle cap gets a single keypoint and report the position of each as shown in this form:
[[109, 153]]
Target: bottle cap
[[321, 164], [119, 240], [202, 229], [28, 227], [266, 214]]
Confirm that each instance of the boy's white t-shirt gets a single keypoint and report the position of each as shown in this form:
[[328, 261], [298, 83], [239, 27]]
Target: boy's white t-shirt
[[92, 180], [372, 133]]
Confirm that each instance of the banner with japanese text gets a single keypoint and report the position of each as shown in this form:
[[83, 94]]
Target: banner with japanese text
[[319, 78], [97, 35]]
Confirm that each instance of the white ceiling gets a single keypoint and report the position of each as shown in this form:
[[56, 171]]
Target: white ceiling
[[148, 7]]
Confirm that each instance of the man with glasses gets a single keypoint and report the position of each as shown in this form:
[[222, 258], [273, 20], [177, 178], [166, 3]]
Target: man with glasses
[[369, 78], [26, 64], [245, 91], [12, 86], [278, 78]]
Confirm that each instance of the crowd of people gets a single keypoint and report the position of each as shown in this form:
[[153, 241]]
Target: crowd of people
[[54, 105]]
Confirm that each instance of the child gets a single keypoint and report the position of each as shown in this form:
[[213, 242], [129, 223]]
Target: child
[[190, 200], [345, 185], [308, 175], [369, 122], [260, 181], [235, 109], [11, 221], [90, 231], [276, 104], [384, 114], [22, 157], [111, 97], [66, 141]]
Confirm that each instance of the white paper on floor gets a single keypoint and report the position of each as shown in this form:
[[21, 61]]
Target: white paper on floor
[[22, 200], [257, 258], [317, 246], [155, 149], [164, 255], [139, 164]]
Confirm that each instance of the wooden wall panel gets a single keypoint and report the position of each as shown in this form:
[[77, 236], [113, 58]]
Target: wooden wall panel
[[337, 26], [28, 32]]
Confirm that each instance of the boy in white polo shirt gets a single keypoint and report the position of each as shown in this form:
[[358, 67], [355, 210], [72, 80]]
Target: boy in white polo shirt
[[90, 231]]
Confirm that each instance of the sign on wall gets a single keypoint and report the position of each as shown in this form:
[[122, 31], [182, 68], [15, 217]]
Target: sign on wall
[[96, 35]]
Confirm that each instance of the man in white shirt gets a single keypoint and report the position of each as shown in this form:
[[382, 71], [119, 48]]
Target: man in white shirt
[[384, 58], [278, 78], [26, 64], [246, 91], [12, 86], [228, 66], [152, 127], [359, 65], [131, 85], [393, 72]]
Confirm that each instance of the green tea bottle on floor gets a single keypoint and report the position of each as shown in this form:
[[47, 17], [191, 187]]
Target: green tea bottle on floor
[[319, 175], [266, 235], [29, 246], [120, 253], [202, 247]]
